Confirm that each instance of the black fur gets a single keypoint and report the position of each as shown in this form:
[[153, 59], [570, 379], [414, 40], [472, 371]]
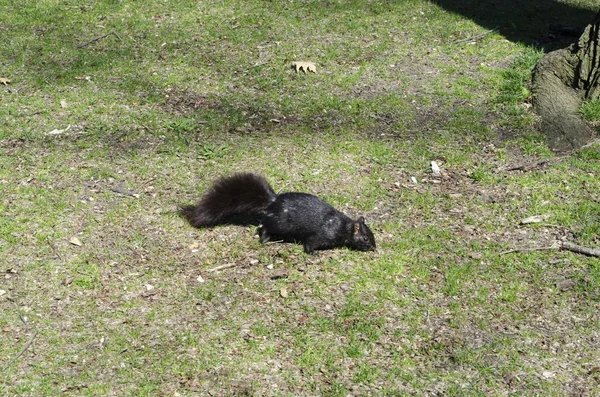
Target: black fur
[[238, 194], [298, 217]]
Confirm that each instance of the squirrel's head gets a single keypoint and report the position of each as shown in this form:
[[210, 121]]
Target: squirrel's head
[[362, 238]]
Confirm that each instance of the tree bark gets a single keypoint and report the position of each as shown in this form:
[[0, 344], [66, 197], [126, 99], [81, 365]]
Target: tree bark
[[562, 79]]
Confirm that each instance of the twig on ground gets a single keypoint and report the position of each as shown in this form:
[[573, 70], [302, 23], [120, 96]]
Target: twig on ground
[[221, 267], [27, 345], [121, 190], [527, 166], [591, 195], [229, 265], [532, 165], [565, 245], [33, 114], [552, 247], [53, 249], [24, 321], [559, 245], [476, 37], [113, 33], [590, 143], [86, 274]]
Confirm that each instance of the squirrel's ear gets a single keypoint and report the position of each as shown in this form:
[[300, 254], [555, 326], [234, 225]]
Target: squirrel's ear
[[359, 221]]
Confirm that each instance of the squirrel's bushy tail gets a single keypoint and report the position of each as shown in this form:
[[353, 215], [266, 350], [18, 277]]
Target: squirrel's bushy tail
[[238, 194]]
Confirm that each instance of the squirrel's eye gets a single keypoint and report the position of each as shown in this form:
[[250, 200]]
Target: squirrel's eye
[[365, 238]]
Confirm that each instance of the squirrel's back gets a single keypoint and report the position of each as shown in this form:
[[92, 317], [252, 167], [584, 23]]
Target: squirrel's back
[[242, 193]]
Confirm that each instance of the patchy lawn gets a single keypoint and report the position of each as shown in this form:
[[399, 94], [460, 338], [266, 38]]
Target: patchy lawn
[[118, 112]]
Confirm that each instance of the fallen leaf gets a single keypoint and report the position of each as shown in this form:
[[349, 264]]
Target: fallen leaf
[[535, 219], [200, 279], [283, 292], [435, 168], [548, 374], [63, 103], [58, 132], [4, 80], [149, 287], [304, 66], [280, 274], [2, 292], [75, 241]]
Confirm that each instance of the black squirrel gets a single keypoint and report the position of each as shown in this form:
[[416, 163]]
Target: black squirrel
[[291, 217]]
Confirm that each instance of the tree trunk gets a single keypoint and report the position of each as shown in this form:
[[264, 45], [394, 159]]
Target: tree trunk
[[562, 79]]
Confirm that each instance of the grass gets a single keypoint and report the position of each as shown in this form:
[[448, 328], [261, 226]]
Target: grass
[[590, 110], [184, 92]]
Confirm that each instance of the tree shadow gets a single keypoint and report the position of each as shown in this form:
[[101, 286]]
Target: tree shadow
[[541, 23]]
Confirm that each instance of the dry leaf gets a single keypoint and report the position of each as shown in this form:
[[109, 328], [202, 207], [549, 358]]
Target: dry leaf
[[58, 132], [535, 219], [435, 168], [548, 374], [304, 66], [75, 241], [63, 103], [200, 279], [149, 287], [280, 274], [4, 80], [283, 292], [2, 292]]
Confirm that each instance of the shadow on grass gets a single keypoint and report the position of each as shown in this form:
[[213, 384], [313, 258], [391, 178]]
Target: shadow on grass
[[541, 23]]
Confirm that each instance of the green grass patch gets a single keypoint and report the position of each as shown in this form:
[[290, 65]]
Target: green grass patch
[[164, 97]]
